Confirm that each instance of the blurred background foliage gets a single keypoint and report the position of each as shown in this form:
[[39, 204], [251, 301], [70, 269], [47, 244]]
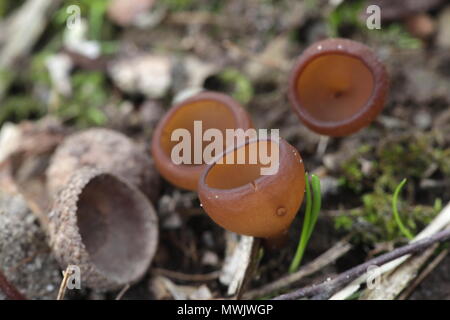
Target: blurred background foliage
[[92, 89], [251, 26]]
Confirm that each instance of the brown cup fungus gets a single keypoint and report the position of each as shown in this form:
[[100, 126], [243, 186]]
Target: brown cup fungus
[[215, 111], [103, 149], [338, 86], [106, 227], [242, 200]]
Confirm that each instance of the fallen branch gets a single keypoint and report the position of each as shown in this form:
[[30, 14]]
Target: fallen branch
[[9, 290], [63, 286], [327, 288], [122, 292], [331, 255], [24, 28], [400, 278], [241, 260], [441, 221], [428, 269], [186, 277]]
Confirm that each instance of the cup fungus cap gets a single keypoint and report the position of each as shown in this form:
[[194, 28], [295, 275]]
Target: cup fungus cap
[[215, 110], [338, 86], [104, 149], [106, 227], [241, 200]]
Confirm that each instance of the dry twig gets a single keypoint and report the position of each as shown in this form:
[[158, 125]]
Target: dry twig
[[24, 28], [63, 286], [441, 221], [186, 277], [429, 268], [331, 255], [327, 288], [399, 278], [9, 290], [122, 292]]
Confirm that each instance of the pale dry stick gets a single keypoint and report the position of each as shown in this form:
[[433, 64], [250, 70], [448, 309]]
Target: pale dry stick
[[122, 292], [328, 257], [322, 146], [325, 289], [63, 286], [240, 263], [399, 279], [24, 28], [249, 270], [186, 277], [441, 221], [428, 269]]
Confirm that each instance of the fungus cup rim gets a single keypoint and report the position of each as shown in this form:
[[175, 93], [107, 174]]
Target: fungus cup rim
[[163, 161], [275, 191], [246, 188], [367, 112]]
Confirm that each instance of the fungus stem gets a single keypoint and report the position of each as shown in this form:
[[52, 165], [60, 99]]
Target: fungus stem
[[399, 222], [313, 204]]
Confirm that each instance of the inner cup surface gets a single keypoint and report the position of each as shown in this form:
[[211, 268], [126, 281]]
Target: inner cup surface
[[228, 176], [334, 87], [112, 226], [213, 114]]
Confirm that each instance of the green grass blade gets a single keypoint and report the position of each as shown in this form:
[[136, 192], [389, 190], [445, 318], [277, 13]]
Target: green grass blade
[[317, 203], [304, 234], [399, 222]]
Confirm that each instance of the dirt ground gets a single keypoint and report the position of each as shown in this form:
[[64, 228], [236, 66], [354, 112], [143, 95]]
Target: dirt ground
[[126, 70]]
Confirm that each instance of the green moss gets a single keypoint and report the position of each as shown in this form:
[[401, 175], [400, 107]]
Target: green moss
[[395, 35], [89, 95], [18, 107], [184, 5], [6, 77], [178, 5], [94, 11], [38, 73], [6, 7], [84, 108], [353, 177], [408, 156], [373, 222], [347, 13], [242, 89], [343, 222]]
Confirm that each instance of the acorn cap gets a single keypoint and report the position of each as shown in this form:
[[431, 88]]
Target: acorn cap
[[104, 149], [106, 227]]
